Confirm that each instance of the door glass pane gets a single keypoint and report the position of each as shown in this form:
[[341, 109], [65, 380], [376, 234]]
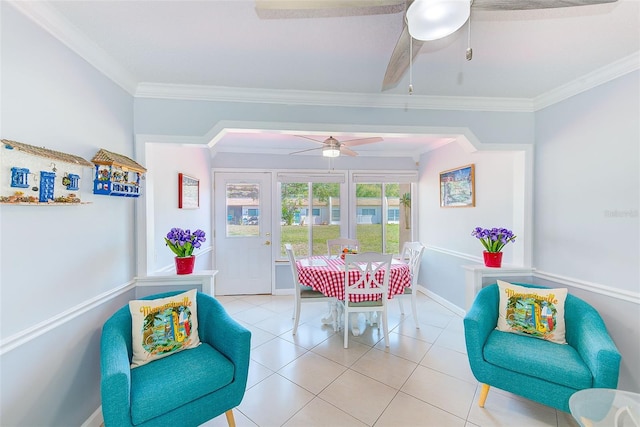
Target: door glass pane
[[294, 197], [243, 210], [391, 232]]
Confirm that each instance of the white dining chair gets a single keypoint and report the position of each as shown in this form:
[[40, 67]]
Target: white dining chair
[[412, 255], [303, 293], [341, 243], [367, 265]]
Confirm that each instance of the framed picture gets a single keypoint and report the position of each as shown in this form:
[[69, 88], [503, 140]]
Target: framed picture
[[188, 192], [458, 188]]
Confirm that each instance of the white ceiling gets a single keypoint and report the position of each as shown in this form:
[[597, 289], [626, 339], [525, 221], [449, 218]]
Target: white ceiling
[[516, 54]]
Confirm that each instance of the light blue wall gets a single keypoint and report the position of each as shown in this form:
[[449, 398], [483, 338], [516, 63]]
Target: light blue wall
[[57, 259]]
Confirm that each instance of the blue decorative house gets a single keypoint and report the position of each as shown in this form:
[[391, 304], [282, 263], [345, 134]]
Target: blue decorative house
[[116, 175]]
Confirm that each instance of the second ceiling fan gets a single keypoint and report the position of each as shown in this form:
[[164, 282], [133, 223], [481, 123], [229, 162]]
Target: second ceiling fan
[[331, 147]]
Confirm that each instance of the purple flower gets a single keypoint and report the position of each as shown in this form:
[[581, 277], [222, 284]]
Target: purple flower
[[183, 242], [493, 239]]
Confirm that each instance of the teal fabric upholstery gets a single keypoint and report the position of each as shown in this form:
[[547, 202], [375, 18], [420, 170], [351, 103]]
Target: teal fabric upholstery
[[539, 370], [187, 388]]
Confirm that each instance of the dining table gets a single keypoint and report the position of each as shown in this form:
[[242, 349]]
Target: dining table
[[326, 274]]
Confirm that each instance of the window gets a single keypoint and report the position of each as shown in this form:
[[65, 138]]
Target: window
[[383, 211], [310, 209], [19, 177]]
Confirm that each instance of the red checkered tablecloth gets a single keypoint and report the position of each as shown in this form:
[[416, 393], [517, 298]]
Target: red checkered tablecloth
[[328, 277]]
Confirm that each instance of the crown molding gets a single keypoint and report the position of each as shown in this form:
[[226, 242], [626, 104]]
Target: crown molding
[[600, 76], [332, 99], [51, 21]]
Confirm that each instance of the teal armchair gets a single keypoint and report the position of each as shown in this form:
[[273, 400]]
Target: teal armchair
[[185, 389], [536, 369]]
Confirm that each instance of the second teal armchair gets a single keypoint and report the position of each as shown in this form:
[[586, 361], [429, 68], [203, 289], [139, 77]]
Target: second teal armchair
[[536, 369]]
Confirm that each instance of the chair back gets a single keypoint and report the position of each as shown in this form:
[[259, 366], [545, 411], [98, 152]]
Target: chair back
[[412, 255], [342, 243], [373, 270], [294, 267]]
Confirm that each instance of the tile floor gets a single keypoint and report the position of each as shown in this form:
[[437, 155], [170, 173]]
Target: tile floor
[[422, 379]]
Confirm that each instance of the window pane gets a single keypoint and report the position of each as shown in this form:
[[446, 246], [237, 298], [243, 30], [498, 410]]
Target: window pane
[[369, 216], [294, 198], [326, 201], [243, 210]]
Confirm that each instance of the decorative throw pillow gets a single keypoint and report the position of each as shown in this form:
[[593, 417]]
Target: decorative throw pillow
[[536, 312], [163, 326]]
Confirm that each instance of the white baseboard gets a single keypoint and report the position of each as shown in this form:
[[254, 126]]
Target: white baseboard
[[95, 420], [443, 302]]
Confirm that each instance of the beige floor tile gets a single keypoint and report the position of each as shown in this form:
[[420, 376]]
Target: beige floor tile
[[405, 410], [309, 334], [277, 324], [320, 413], [385, 367], [273, 401], [427, 333], [258, 336], [257, 373], [253, 315], [276, 353], [233, 305], [332, 348], [221, 420], [452, 340], [449, 362], [406, 347], [312, 372], [359, 395], [500, 410], [446, 392]]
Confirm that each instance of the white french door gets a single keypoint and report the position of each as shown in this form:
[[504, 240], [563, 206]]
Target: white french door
[[242, 216]]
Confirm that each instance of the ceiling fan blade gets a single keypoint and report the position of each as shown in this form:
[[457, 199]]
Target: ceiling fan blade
[[361, 141], [283, 9], [532, 4], [322, 141], [347, 151], [399, 62], [308, 149]]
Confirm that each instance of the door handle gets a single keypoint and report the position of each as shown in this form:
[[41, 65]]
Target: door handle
[[267, 243]]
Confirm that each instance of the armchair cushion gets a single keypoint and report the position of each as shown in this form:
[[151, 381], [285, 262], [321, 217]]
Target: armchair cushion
[[537, 313], [186, 376], [163, 327], [546, 360]]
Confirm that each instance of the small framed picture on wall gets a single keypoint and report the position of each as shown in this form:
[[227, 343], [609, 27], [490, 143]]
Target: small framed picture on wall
[[188, 192], [458, 187]]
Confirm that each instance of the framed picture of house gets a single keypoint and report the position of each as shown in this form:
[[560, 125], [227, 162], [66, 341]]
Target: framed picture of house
[[188, 192], [457, 187]]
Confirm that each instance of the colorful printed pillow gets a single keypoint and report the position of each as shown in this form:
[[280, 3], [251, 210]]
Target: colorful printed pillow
[[164, 326], [535, 312]]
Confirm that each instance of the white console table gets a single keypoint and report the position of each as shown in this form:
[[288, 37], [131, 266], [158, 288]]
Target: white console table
[[203, 279], [474, 275]]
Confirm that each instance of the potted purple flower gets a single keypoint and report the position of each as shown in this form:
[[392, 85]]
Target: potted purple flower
[[493, 240], [182, 243]]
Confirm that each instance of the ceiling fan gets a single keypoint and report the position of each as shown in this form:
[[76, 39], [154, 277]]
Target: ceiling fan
[[415, 23], [331, 147]]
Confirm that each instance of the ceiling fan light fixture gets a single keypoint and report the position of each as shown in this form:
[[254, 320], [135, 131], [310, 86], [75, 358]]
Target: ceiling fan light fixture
[[435, 19], [330, 151]]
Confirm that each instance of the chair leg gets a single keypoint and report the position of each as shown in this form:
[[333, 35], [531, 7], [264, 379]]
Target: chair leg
[[346, 328], [413, 308], [401, 306], [296, 317], [230, 420], [385, 327], [483, 395]]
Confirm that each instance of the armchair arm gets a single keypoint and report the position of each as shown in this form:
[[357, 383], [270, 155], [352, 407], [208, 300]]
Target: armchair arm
[[218, 329], [115, 384], [587, 333], [479, 321]]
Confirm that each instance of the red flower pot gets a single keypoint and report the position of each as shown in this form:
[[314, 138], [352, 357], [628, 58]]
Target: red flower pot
[[492, 259], [184, 265]]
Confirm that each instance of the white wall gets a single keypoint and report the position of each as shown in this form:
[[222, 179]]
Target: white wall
[[58, 260], [587, 202], [447, 231], [165, 162]]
